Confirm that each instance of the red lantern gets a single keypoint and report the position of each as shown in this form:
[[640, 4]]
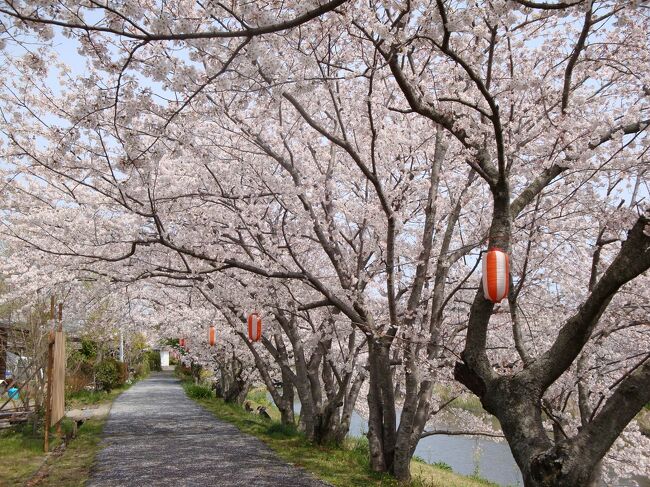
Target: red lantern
[[212, 336], [496, 272], [254, 327], [181, 342]]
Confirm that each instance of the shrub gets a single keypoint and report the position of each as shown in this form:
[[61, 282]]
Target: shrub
[[442, 466], [182, 372], [198, 392], [153, 359], [142, 369], [79, 376], [79, 371], [88, 348], [107, 374]]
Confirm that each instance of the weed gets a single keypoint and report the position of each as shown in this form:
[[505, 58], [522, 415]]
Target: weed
[[197, 391]]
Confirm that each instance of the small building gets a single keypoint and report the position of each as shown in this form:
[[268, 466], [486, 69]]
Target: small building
[[164, 358]]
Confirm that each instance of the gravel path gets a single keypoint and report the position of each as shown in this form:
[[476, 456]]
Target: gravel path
[[157, 436]]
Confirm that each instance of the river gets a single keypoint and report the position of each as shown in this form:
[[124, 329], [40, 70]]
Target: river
[[490, 459]]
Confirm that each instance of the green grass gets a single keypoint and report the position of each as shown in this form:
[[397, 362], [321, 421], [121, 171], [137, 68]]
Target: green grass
[[88, 398], [345, 466], [196, 391], [443, 466], [72, 468], [21, 453], [259, 397]]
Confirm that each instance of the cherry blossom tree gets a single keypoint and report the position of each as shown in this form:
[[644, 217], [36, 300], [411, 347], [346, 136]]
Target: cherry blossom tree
[[342, 164], [570, 93]]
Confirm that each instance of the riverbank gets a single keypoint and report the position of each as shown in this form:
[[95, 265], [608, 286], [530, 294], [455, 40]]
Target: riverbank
[[344, 466], [471, 456]]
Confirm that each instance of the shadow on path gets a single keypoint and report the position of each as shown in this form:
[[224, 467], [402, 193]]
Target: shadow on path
[[155, 435]]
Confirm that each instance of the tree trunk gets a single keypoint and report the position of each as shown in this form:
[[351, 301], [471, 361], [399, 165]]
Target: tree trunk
[[233, 386], [417, 408], [348, 408], [381, 404], [287, 416], [196, 372], [303, 388], [562, 466], [283, 401], [402, 462]]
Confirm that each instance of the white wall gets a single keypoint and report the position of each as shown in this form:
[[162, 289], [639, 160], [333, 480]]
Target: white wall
[[164, 358]]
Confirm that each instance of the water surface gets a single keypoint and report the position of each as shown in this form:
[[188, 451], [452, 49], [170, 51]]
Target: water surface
[[487, 457]]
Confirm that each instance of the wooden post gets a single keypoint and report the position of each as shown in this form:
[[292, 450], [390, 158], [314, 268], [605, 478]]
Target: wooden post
[[50, 366]]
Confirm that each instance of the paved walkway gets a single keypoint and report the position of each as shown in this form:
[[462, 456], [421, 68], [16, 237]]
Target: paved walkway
[[156, 436]]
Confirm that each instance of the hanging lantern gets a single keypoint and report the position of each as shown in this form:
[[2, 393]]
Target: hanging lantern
[[212, 336], [254, 327], [181, 342], [496, 273]]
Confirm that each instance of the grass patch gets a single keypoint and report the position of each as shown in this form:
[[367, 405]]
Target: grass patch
[[21, 454], [73, 467], [197, 392], [21, 450], [260, 398], [88, 398], [345, 466], [279, 430], [443, 466]]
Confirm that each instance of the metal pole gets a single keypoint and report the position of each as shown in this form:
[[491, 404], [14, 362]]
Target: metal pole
[[50, 364], [121, 346]]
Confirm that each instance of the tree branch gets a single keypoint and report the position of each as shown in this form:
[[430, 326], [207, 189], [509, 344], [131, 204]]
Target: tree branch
[[632, 260], [146, 36]]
